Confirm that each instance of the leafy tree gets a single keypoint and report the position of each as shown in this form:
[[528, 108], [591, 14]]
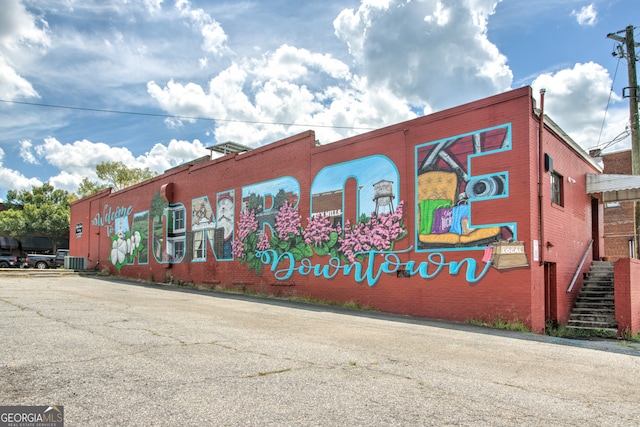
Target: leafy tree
[[119, 176], [12, 223], [42, 211], [280, 199], [116, 175], [88, 187], [158, 205], [255, 203]]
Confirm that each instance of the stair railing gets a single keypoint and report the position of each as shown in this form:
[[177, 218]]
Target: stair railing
[[584, 258]]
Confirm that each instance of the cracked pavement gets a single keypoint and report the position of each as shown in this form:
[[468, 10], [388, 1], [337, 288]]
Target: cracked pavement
[[122, 353]]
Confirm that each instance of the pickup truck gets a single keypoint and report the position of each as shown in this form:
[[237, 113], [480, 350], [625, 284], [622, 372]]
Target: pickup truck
[[10, 261], [47, 261]]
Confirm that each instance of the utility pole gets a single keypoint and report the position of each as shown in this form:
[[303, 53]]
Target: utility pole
[[632, 94]]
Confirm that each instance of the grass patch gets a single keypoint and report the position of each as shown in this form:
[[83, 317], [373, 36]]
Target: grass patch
[[500, 322], [628, 336]]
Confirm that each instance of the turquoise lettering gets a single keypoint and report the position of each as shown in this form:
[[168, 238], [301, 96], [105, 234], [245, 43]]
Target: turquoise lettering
[[369, 272]]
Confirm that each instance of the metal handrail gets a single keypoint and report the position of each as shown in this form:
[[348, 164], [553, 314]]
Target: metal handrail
[[584, 257]]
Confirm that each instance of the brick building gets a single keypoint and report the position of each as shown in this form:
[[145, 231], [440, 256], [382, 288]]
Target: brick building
[[456, 215], [619, 225]]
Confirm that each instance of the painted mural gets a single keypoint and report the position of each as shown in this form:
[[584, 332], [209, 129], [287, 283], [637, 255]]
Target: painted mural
[[215, 232], [271, 232], [356, 219], [126, 243], [446, 187]]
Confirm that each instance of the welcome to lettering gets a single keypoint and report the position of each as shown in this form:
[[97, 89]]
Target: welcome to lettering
[[110, 215]]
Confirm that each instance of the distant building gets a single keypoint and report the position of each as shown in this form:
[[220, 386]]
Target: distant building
[[618, 215]]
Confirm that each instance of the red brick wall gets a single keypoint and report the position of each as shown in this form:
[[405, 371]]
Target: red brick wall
[[92, 243], [567, 228], [445, 293], [618, 217], [617, 163], [627, 295]]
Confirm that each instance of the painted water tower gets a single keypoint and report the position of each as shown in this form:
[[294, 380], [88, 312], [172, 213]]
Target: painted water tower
[[383, 195]]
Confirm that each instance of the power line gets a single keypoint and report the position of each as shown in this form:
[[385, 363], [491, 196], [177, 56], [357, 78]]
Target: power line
[[608, 101], [170, 116]]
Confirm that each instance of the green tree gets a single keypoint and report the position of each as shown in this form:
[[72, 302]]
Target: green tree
[[12, 223], [158, 205], [255, 203], [119, 176], [42, 211], [88, 187], [280, 199], [116, 175]]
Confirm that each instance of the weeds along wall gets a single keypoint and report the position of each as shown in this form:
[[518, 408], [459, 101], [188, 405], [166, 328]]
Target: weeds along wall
[[413, 218]]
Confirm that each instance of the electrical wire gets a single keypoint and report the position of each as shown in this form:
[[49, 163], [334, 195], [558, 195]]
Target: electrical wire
[[170, 116], [621, 136], [608, 101]]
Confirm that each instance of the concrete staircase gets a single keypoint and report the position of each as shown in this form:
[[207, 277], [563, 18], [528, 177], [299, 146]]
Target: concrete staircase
[[595, 308]]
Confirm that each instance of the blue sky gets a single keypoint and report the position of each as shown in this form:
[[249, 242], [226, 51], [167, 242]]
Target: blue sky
[[254, 72]]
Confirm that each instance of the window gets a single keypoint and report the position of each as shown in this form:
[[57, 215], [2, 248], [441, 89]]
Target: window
[[175, 249], [557, 197], [200, 239], [176, 233], [178, 249], [178, 219], [199, 245]]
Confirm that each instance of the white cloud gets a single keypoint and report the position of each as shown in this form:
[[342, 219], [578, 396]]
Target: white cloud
[[21, 35], [153, 6], [66, 181], [80, 157], [214, 37], [587, 15], [12, 85], [78, 160], [11, 179], [184, 100], [258, 101], [576, 98], [291, 63], [26, 152], [398, 69], [420, 50], [18, 28], [440, 16], [162, 157]]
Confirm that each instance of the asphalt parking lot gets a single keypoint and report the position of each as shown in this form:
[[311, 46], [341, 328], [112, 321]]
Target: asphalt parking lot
[[117, 353]]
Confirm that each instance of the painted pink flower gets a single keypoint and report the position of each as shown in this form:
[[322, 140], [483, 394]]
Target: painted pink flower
[[378, 233], [318, 231], [237, 247], [246, 224], [263, 243], [287, 222]]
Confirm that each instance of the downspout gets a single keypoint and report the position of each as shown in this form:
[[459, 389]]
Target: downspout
[[540, 175]]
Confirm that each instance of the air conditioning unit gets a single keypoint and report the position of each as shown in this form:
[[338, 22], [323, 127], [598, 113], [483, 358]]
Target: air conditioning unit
[[75, 263]]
